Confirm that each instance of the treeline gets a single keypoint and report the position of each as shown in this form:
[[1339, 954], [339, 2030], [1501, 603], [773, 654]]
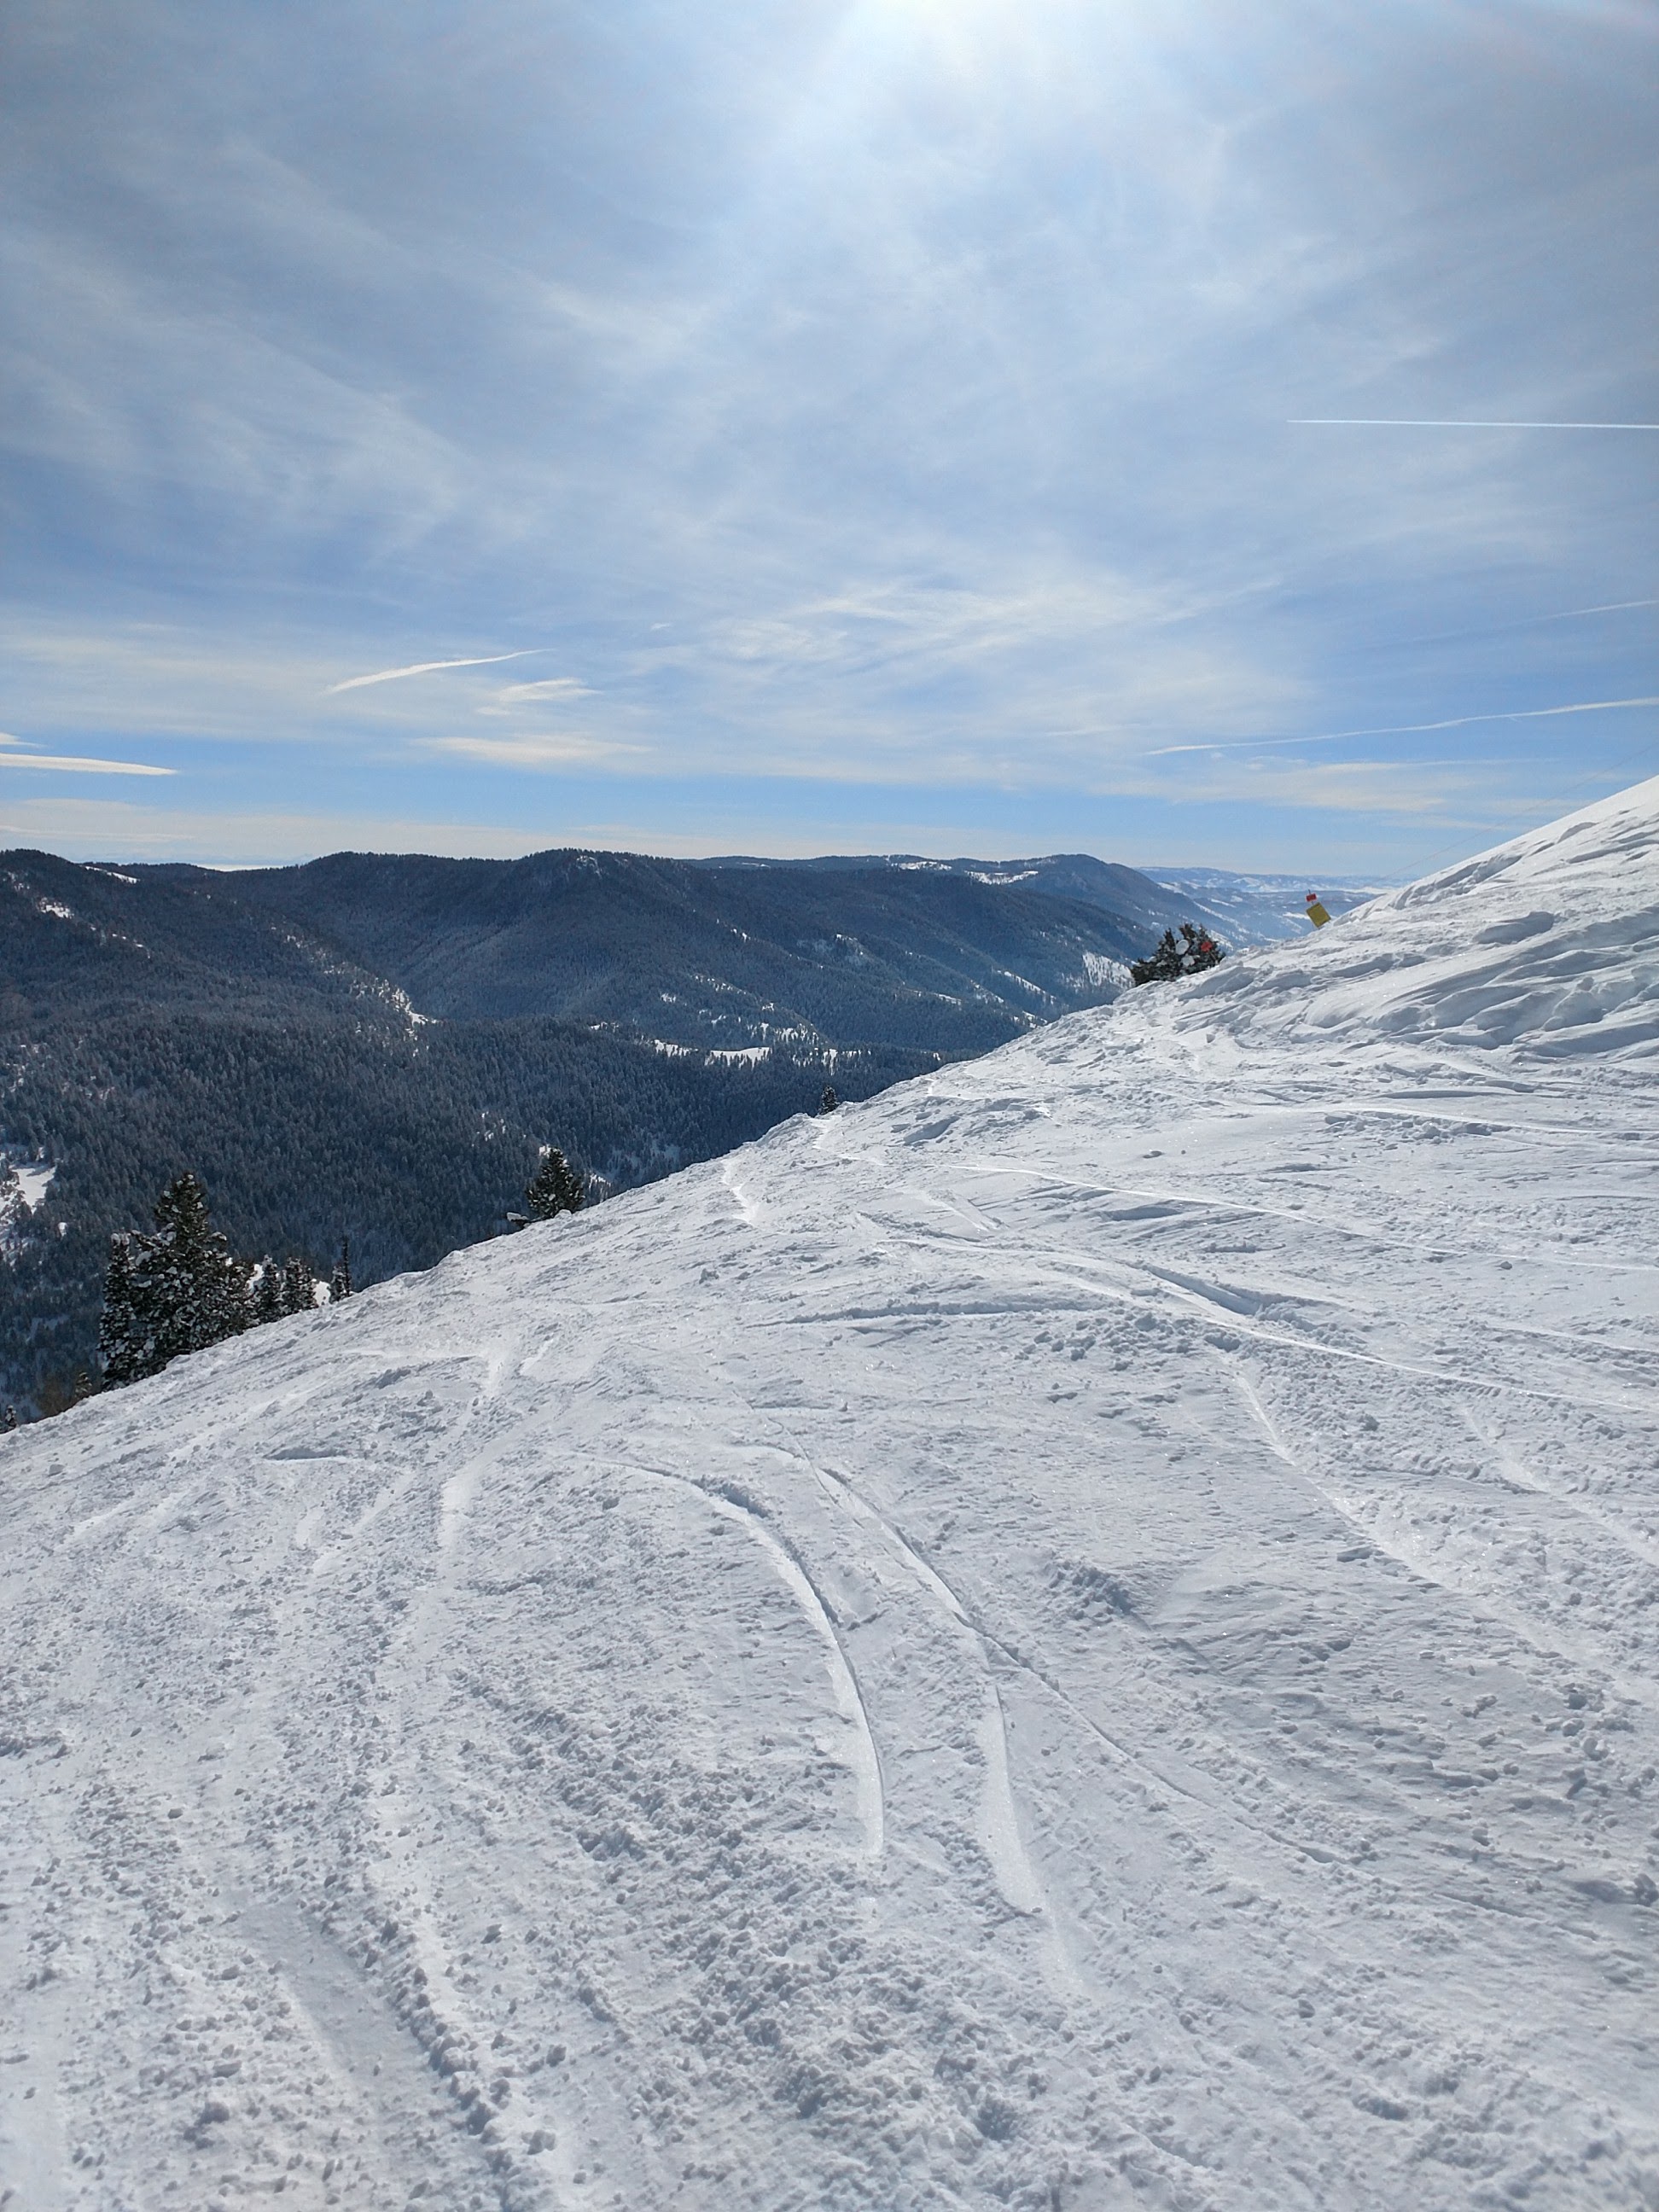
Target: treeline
[[180, 1288], [410, 1139]]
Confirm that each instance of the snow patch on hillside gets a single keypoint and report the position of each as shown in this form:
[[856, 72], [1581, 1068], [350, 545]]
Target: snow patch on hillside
[[23, 1185], [33, 1179], [1478, 956]]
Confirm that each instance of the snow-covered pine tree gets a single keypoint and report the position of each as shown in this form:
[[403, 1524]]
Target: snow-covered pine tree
[[268, 1293], [189, 1288], [555, 1187], [339, 1283], [123, 1344], [176, 1290], [1199, 950], [298, 1286], [829, 1103], [1161, 965]]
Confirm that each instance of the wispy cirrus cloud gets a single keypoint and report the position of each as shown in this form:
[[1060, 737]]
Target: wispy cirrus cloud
[[842, 392], [551, 691], [1412, 423], [1413, 729], [536, 749], [429, 668], [14, 753]]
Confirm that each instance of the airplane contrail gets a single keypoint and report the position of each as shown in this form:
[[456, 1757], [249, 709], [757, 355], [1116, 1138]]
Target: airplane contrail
[[1612, 607], [427, 668], [1408, 729], [1413, 422], [72, 763]]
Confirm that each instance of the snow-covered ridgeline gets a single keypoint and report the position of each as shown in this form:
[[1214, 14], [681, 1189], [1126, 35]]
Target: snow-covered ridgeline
[[1082, 1633], [1549, 944]]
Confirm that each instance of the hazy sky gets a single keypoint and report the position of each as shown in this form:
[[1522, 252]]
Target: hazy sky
[[811, 425]]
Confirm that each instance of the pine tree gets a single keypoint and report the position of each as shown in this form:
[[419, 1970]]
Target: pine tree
[[1199, 950], [829, 1103], [555, 1187], [188, 1288], [298, 1286], [339, 1283], [58, 1392], [124, 1339], [1161, 966], [1190, 954], [177, 1289], [268, 1293]]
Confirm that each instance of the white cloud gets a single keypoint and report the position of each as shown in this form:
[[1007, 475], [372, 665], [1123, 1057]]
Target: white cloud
[[112, 830], [552, 691], [888, 394], [534, 748], [1447, 793]]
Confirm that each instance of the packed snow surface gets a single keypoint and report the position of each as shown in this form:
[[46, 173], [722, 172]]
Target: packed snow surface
[[1081, 1634]]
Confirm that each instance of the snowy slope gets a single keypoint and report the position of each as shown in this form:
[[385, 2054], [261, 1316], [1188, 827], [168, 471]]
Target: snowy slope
[[1081, 1634]]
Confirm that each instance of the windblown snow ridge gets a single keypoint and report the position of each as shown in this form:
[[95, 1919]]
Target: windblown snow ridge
[[1549, 943]]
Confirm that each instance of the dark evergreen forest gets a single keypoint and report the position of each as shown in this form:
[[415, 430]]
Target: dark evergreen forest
[[305, 1130], [380, 1048]]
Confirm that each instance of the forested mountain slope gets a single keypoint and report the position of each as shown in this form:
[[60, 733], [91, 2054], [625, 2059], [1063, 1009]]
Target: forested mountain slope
[[376, 1046], [1238, 909], [711, 954], [1137, 903], [1079, 1634]]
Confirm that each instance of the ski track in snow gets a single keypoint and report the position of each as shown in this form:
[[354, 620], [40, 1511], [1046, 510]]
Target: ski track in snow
[[1020, 1889], [862, 1759], [1082, 1634]]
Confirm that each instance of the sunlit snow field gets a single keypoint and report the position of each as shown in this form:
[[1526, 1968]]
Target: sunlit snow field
[[1081, 1634]]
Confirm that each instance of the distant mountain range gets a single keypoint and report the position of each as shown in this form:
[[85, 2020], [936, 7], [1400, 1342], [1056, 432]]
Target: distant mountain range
[[377, 1046], [1243, 910], [947, 957], [1263, 910]]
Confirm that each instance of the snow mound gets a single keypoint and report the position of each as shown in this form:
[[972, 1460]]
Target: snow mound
[[1549, 943], [1081, 1634]]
